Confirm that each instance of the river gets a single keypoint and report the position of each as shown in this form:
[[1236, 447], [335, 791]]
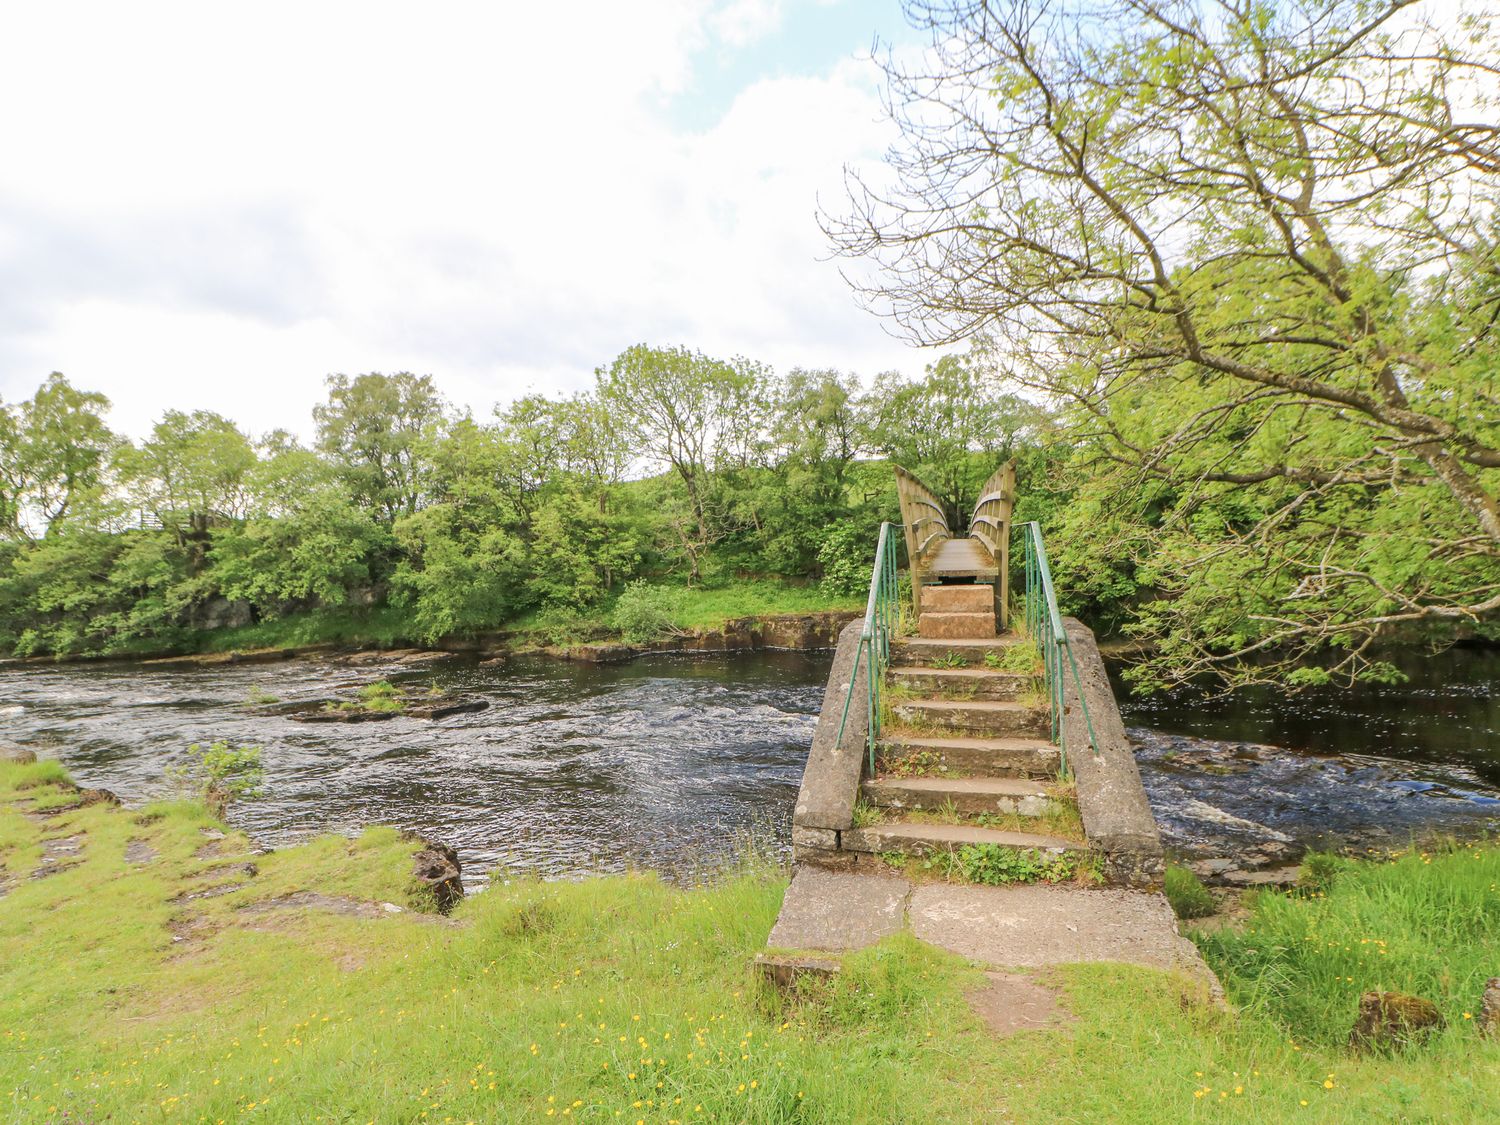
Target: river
[[674, 763]]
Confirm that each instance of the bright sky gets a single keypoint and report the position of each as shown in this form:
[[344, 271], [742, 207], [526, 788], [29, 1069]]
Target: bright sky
[[214, 206]]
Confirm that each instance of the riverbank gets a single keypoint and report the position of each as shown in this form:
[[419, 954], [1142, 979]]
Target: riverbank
[[744, 616], [127, 993]]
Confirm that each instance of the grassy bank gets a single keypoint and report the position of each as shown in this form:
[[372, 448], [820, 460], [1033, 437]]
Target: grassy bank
[[697, 609], [622, 999]]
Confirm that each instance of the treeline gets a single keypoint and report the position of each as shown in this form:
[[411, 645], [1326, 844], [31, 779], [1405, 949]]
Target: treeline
[[677, 466]]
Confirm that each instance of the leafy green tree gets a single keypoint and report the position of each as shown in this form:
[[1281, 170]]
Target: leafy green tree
[[819, 426], [1251, 248], [323, 554], [455, 578], [194, 469], [377, 426], [596, 445], [952, 428], [55, 450], [693, 415], [530, 438], [579, 552], [286, 474]]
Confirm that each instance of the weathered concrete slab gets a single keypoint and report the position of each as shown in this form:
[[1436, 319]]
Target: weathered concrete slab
[[913, 838], [989, 718], [978, 597], [1023, 796], [1031, 926], [830, 780], [839, 911], [1116, 814], [940, 626], [976, 683]]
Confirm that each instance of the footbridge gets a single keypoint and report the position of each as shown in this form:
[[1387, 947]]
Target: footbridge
[[970, 775]]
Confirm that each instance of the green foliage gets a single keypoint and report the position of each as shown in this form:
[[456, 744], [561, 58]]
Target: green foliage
[[455, 577], [866, 815], [320, 554], [645, 612], [220, 772], [1424, 924], [1187, 894], [949, 660], [995, 865], [382, 696], [1020, 658], [579, 551], [1319, 872], [846, 557], [1274, 360], [376, 426], [55, 450]]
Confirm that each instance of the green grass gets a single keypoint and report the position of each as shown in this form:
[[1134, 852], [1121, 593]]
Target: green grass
[[1187, 894], [625, 1000], [1427, 924], [699, 608], [386, 627]]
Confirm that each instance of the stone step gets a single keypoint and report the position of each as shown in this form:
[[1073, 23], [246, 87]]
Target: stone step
[[991, 757], [918, 839], [958, 652], [995, 718], [978, 598], [967, 683], [951, 626], [967, 795]]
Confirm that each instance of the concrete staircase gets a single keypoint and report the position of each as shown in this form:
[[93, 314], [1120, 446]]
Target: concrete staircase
[[968, 743]]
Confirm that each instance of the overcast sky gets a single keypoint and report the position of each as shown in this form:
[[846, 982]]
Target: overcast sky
[[215, 206]]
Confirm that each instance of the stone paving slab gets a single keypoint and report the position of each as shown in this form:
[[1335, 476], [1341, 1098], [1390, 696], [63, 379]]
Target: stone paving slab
[[839, 911], [1021, 927], [1030, 926]]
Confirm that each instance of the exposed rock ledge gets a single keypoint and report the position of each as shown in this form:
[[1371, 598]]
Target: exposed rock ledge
[[796, 631]]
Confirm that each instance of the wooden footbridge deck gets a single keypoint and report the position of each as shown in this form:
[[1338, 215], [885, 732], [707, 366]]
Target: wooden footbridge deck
[[935, 555]]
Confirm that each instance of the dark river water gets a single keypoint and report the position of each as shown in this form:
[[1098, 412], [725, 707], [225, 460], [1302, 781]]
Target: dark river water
[[673, 763]]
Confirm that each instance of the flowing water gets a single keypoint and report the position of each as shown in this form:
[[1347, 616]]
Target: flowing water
[[1376, 766], [671, 763]]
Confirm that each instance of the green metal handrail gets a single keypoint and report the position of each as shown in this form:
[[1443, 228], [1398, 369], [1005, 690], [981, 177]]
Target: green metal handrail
[[1045, 626], [881, 618]]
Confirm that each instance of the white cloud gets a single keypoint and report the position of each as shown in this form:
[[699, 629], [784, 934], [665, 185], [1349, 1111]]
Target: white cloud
[[744, 21], [202, 209]]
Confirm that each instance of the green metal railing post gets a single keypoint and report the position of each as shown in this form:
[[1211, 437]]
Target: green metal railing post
[[1045, 625], [882, 616]]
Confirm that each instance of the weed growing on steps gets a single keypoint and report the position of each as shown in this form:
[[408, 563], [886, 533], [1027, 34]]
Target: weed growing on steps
[[866, 815], [949, 660], [994, 865], [259, 697], [1187, 894], [1021, 658]]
